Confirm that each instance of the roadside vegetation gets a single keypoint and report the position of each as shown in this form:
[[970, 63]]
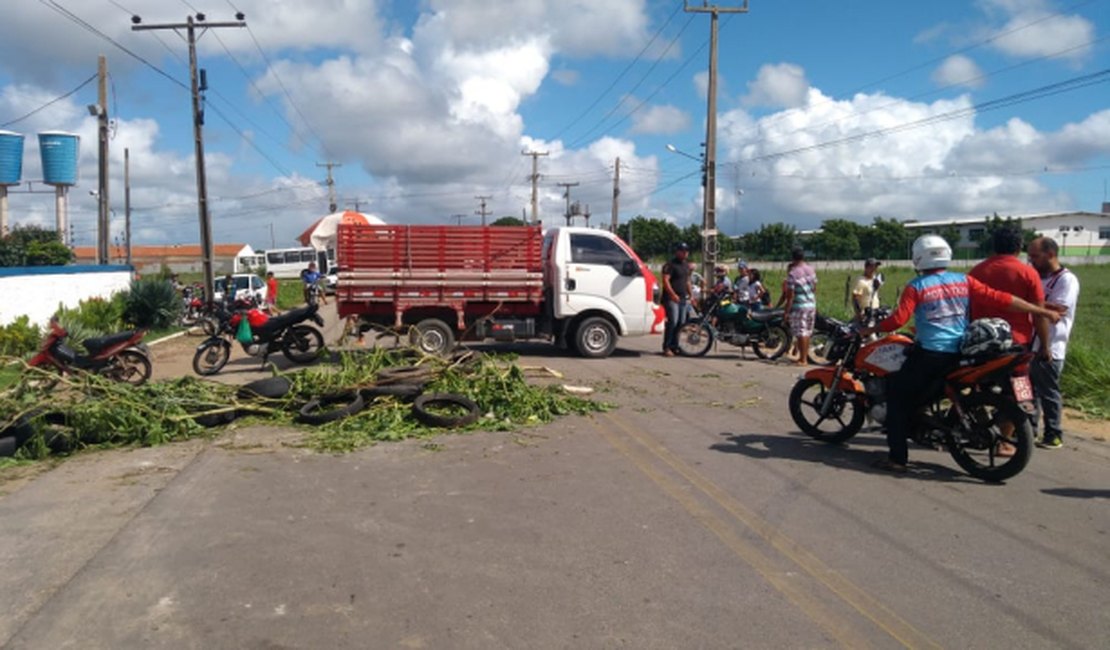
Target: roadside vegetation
[[87, 411]]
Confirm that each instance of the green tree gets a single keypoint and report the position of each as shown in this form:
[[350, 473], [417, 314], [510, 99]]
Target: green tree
[[508, 221], [33, 246], [838, 239], [885, 239], [650, 237], [951, 234], [772, 241]]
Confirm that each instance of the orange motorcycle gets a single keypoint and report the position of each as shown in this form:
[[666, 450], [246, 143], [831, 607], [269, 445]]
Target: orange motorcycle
[[982, 406]]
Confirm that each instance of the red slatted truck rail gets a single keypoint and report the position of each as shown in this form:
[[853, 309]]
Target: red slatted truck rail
[[575, 287]]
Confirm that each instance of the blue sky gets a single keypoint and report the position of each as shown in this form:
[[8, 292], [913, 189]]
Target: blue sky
[[429, 104]]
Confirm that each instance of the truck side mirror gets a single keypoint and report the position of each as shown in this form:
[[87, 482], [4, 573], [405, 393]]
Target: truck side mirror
[[629, 268]]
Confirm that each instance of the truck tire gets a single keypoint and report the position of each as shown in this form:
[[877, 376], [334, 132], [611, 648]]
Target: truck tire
[[432, 336], [595, 338]]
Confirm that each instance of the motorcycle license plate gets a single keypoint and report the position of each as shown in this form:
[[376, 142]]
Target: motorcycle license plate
[[1023, 388]]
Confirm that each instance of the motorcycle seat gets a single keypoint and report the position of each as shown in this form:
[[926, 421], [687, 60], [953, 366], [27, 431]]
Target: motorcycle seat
[[291, 317], [99, 343], [764, 315]]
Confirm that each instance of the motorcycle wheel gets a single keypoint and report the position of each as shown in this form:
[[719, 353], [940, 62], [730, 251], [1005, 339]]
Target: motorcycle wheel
[[209, 325], [819, 345], [974, 444], [772, 343], [130, 367], [211, 357], [695, 339], [806, 399], [302, 344]]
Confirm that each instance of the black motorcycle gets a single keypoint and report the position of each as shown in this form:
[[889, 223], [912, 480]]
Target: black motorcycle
[[739, 325], [300, 343]]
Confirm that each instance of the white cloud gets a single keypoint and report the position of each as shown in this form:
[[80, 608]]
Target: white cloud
[[565, 76], [779, 85], [701, 83], [660, 120], [1034, 28], [958, 70]]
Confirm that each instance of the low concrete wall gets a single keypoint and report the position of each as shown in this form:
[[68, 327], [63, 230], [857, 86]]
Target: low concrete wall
[[36, 291]]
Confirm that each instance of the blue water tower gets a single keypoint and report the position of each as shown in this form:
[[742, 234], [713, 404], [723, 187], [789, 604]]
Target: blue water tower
[[11, 158], [59, 151]]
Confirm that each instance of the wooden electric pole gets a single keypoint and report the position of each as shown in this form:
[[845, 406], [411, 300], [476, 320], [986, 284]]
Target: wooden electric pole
[[483, 212], [190, 27], [103, 207], [535, 178], [333, 207], [709, 202], [616, 197]]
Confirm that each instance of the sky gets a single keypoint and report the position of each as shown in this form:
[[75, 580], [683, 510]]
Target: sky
[[851, 109]]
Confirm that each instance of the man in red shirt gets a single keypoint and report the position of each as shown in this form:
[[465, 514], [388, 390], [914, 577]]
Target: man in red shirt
[[1004, 271]]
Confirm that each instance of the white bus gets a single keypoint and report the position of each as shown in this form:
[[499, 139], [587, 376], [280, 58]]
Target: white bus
[[286, 262]]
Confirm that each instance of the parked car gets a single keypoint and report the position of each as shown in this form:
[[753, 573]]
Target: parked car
[[331, 280], [247, 286]]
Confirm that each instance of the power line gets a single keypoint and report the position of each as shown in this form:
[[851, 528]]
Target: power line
[[50, 103], [613, 84]]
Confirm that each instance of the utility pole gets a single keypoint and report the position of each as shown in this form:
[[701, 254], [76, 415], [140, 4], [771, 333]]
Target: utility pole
[[566, 195], [127, 203], [190, 26], [102, 211], [616, 197], [709, 202], [483, 212], [458, 218], [535, 178], [357, 202], [333, 207], [273, 240]]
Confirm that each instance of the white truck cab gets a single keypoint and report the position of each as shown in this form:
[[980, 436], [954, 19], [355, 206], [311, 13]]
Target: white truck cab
[[594, 278]]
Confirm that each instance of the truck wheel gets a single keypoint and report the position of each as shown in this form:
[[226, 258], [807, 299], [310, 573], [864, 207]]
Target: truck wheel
[[595, 338], [432, 336]]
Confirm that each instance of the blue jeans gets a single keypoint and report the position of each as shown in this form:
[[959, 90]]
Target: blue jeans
[[677, 313], [1046, 387]]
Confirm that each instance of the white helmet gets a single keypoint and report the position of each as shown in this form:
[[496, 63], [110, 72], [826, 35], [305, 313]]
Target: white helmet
[[931, 252]]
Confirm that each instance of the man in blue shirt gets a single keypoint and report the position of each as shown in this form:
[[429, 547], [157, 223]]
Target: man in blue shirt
[[311, 277]]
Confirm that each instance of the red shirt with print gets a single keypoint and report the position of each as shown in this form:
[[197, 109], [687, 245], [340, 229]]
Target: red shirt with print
[[1008, 273]]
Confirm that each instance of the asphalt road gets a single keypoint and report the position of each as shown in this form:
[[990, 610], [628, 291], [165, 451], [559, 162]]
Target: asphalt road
[[690, 516]]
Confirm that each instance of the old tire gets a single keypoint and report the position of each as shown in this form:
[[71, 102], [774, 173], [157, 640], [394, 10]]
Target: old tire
[[330, 408], [432, 336], [403, 392], [209, 420], [470, 410], [268, 388], [773, 343], [211, 356], [302, 344], [595, 338]]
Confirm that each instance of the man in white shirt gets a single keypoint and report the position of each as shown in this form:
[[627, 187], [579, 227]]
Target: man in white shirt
[[865, 291], [740, 286], [1061, 287]]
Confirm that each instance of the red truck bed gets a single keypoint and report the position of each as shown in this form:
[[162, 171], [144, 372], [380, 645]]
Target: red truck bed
[[468, 269]]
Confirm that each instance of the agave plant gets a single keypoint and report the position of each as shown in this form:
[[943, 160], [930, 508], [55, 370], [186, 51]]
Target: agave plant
[[152, 303]]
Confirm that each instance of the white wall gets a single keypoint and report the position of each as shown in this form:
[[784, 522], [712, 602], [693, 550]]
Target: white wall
[[37, 291]]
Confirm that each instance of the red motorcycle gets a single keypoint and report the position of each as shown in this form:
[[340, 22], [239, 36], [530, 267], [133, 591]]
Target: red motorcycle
[[119, 357], [982, 406]]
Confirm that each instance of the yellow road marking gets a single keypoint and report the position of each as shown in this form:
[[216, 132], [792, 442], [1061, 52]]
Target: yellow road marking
[[791, 588], [860, 600]]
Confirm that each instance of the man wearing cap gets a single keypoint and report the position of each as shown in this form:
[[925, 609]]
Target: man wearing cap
[[721, 281], [677, 289], [865, 290]]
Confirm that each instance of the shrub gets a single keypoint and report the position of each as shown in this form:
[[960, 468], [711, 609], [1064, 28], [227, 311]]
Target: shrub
[[33, 246], [19, 337], [152, 303]]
